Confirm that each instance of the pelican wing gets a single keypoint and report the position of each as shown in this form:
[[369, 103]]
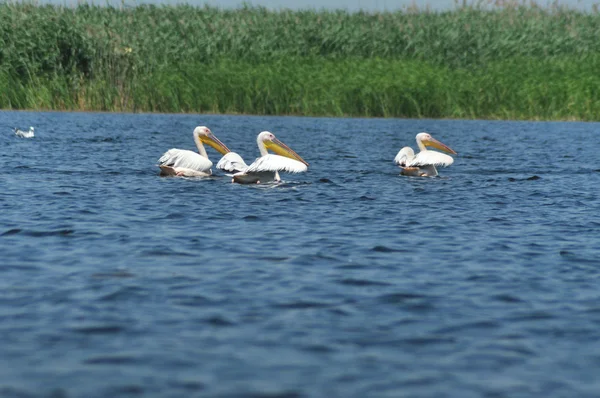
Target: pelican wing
[[404, 156], [272, 162], [24, 134], [182, 158], [431, 158], [231, 162]]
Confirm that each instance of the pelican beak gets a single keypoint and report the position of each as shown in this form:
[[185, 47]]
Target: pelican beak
[[214, 142], [281, 149], [436, 144]]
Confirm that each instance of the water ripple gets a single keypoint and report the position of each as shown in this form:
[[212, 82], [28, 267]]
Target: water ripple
[[99, 329], [119, 359], [301, 305], [37, 234], [349, 280], [362, 282]]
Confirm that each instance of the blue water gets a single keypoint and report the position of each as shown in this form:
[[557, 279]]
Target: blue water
[[345, 281]]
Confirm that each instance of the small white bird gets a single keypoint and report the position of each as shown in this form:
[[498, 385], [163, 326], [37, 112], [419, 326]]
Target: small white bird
[[423, 163], [181, 162], [24, 134]]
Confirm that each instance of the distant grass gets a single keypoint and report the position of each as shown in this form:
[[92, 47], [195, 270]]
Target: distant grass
[[516, 62], [513, 89]]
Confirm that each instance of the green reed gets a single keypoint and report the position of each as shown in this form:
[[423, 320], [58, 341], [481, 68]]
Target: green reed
[[514, 89], [512, 62]]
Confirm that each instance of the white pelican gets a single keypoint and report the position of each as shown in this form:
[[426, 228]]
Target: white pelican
[[24, 134], [181, 162], [232, 163], [423, 164], [267, 167]]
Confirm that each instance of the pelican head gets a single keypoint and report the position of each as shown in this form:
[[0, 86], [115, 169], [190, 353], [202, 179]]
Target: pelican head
[[271, 142], [426, 140], [206, 136]]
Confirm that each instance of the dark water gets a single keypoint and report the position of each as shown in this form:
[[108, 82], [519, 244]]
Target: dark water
[[346, 281]]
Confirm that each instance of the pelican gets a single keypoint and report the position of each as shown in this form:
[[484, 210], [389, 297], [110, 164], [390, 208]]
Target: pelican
[[423, 164], [181, 162], [232, 163], [266, 168], [24, 134]]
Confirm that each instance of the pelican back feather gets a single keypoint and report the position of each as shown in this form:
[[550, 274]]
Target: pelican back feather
[[431, 158], [272, 162], [182, 158], [232, 162], [404, 156]]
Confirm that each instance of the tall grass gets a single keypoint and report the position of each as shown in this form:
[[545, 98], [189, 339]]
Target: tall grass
[[518, 61]]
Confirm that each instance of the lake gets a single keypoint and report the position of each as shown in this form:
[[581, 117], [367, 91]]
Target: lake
[[346, 281]]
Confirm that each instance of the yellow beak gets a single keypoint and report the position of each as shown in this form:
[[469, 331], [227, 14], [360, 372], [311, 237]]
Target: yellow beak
[[436, 144], [214, 142], [281, 149]]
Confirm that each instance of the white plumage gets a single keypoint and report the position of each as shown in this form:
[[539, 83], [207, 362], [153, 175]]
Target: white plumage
[[182, 162], [272, 162], [24, 134], [232, 163], [267, 167], [404, 156], [431, 158], [424, 163]]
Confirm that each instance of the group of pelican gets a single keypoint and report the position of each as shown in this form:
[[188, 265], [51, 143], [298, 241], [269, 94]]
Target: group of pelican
[[266, 168]]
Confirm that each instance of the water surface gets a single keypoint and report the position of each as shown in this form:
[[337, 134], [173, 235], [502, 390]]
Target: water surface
[[348, 280]]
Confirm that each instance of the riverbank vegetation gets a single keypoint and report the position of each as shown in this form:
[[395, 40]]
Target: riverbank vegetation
[[510, 62]]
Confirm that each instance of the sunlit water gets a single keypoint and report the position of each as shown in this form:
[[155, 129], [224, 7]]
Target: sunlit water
[[348, 280]]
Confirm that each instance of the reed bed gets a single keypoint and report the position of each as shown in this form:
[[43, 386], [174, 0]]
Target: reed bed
[[516, 61]]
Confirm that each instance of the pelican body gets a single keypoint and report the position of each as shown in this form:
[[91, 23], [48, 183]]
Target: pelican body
[[232, 163], [24, 134], [266, 168], [424, 163], [182, 162]]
